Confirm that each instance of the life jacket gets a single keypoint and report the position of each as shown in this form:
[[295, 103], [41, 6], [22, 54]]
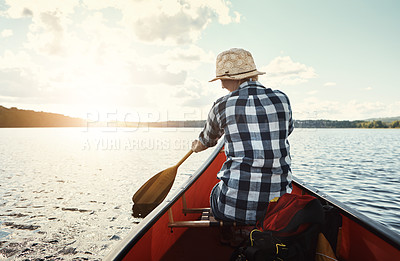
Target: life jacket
[[288, 231]]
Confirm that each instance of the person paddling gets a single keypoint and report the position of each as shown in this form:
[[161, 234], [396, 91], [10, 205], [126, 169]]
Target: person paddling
[[256, 122]]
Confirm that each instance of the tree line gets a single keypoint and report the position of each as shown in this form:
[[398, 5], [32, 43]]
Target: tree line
[[14, 117], [374, 124]]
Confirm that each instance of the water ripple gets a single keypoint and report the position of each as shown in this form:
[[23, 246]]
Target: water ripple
[[358, 167]]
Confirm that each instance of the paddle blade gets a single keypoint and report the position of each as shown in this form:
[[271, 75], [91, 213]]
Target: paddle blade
[[142, 210], [153, 192]]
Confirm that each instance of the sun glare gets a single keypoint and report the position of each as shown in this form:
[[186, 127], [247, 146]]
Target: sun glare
[[94, 84]]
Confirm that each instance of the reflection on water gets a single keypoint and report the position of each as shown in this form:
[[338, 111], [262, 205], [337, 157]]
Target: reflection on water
[[66, 192]]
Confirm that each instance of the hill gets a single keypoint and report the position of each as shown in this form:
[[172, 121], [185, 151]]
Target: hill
[[14, 117]]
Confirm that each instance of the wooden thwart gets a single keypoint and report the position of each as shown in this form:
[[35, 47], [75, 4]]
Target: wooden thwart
[[206, 220], [187, 210]]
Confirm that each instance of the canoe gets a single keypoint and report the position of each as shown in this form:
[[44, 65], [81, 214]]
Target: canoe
[[165, 234]]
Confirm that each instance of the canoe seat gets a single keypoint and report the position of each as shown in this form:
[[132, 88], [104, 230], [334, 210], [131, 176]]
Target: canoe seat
[[206, 220]]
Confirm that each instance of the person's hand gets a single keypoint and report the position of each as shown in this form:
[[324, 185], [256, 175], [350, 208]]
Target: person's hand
[[197, 146]]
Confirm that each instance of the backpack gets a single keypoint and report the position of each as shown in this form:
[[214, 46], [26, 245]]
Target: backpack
[[288, 231]]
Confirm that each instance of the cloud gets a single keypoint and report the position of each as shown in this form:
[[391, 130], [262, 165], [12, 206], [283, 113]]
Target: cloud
[[177, 22], [184, 59], [169, 21], [284, 71], [27, 12], [22, 88], [191, 54], [313, 108], [49, 20], [148, 75], [21, 61], [330, 84], [48, 36], [6, 33], [313, 92], [181, 28], [21, 8], [196, 94], [52, 22], [105, 53], [221, 8]]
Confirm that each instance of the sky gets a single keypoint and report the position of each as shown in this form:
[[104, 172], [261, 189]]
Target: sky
[[152, 60]]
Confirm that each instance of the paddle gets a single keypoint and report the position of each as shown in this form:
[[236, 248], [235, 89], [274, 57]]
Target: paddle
[[153, 192]]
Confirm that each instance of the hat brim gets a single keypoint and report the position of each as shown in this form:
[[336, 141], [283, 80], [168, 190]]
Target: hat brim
[[238, 77]]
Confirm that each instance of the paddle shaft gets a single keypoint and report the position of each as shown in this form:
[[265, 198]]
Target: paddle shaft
[[184, 158]]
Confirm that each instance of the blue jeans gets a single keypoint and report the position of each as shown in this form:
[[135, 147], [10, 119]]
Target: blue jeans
[[215, 192]]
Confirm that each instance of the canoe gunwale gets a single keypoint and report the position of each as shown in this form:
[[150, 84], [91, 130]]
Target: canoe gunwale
[[118, 253]]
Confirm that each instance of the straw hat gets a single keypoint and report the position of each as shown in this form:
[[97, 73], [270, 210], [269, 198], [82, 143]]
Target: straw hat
[[235, 64]]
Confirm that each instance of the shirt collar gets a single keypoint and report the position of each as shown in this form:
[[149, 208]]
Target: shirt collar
[[247, 83]]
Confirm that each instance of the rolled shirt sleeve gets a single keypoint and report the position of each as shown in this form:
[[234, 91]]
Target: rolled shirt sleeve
[[291, 125], [212, 130]]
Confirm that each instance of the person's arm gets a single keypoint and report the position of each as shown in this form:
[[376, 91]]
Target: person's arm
[[291, 125], [211, 132], [197, 146]]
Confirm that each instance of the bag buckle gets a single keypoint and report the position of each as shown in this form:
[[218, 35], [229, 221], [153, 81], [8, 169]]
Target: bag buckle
[[280, 248]]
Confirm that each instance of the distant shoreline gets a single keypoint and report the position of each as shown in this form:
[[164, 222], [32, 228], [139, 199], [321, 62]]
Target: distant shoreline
[[16, 118], [155, 127], [307, 124]]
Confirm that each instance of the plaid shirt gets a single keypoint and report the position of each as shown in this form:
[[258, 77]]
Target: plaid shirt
[[256, 122]]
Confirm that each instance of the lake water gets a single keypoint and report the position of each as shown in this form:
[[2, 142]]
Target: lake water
[[65, 193]]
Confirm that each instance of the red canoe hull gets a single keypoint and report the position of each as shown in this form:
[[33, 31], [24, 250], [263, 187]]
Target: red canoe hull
[[360, 237]]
